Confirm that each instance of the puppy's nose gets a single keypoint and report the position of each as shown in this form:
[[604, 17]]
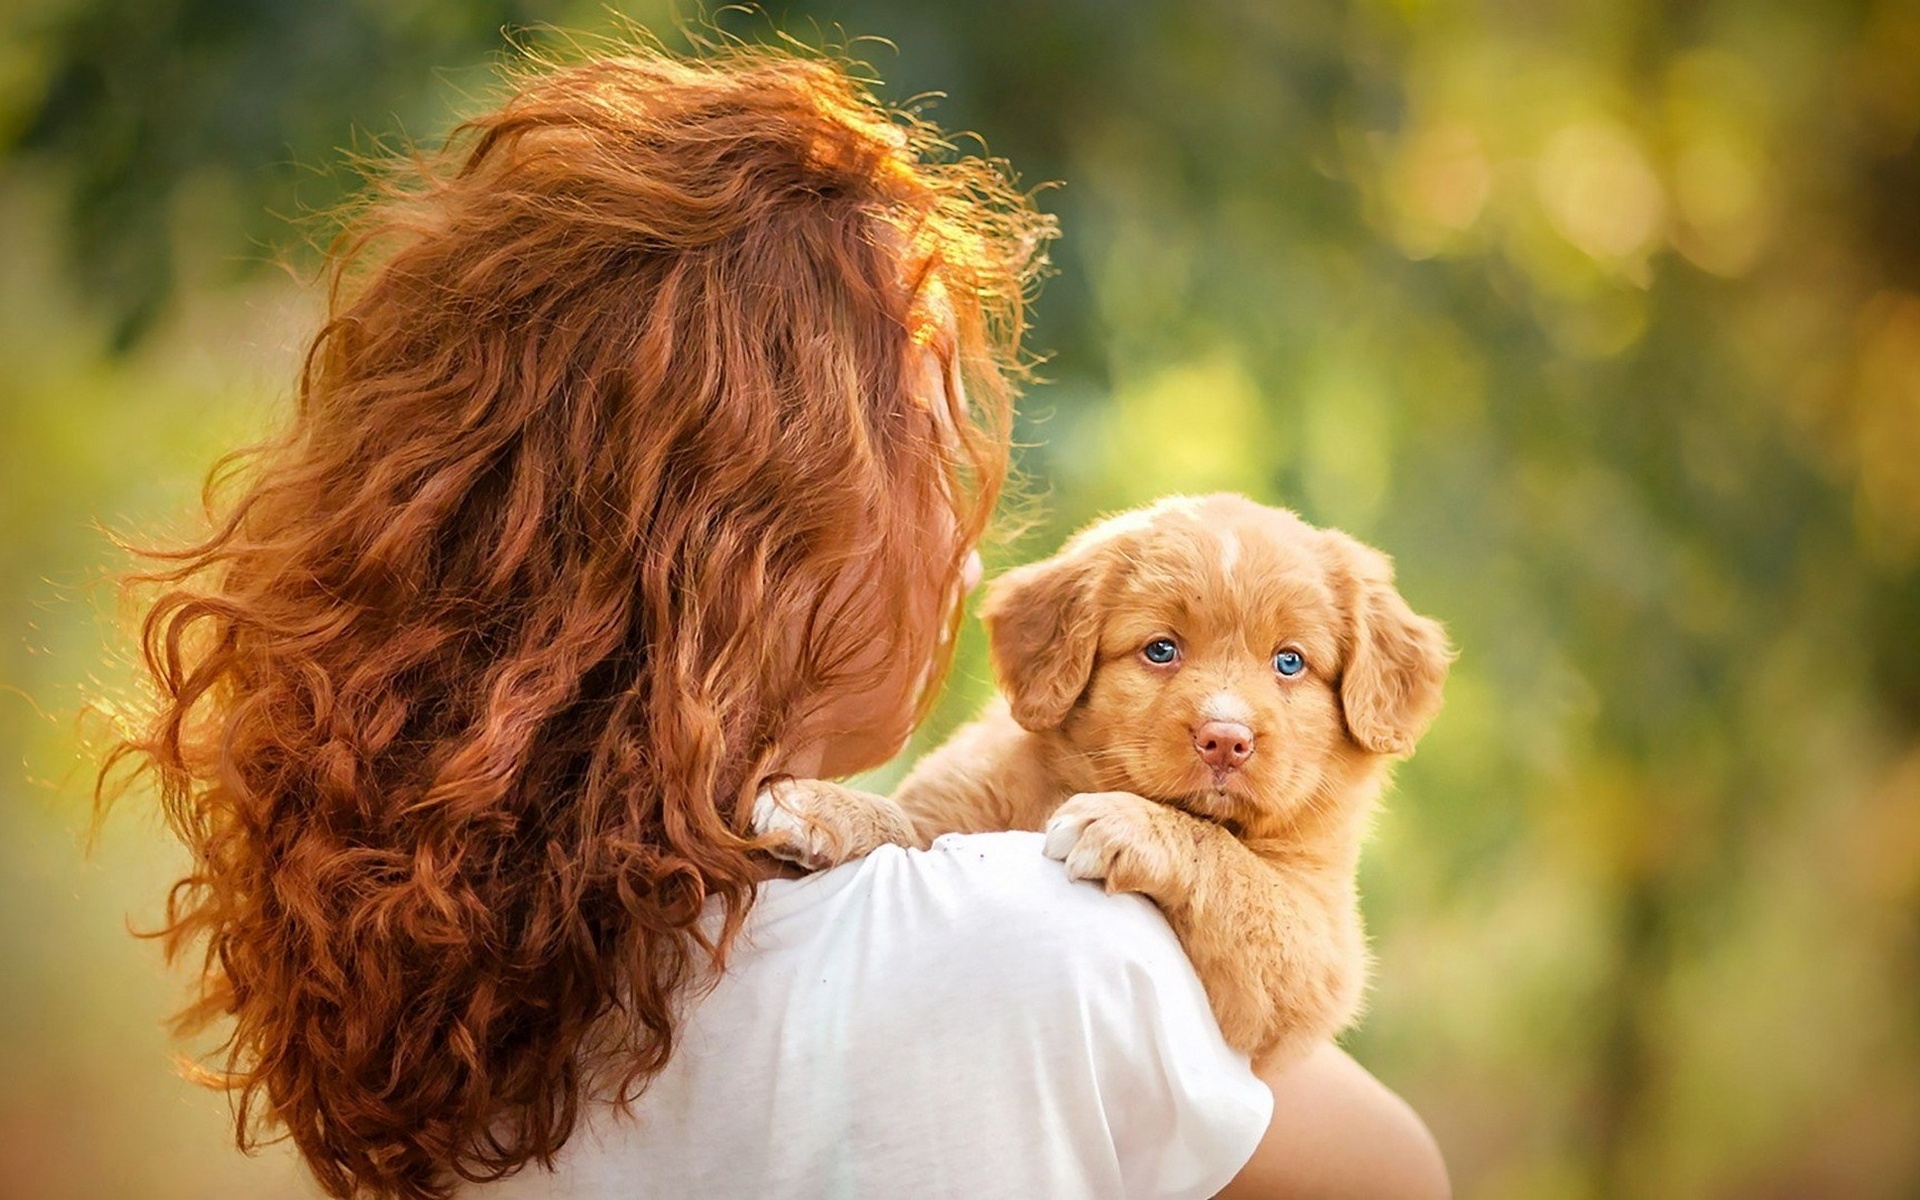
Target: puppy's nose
[[1223, 745]]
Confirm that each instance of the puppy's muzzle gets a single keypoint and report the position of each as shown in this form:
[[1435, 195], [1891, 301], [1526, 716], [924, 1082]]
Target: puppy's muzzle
[[1224, 746]]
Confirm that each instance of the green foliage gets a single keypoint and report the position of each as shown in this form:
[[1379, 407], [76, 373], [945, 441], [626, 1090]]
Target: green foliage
[[1604, 320], [144, 98]]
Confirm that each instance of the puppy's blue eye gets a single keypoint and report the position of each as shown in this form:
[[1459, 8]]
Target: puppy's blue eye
[[1289, 663], [1160, 651]]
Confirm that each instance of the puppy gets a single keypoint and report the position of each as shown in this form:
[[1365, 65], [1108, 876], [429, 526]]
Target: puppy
[[1201, 702]]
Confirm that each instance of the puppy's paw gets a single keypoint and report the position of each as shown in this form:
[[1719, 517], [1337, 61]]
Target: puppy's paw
[[1131, 843], [817, 824], [780, 812]]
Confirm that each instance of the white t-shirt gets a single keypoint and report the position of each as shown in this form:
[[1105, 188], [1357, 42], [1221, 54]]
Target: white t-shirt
[[958, 1022]]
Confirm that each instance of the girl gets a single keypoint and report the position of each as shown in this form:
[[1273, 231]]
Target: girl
[[641, 460]]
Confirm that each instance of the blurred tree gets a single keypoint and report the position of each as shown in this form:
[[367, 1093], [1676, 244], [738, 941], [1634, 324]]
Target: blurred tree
[[144, 97]]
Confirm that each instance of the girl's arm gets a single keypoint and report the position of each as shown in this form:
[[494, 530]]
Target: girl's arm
[[1338, 1132]]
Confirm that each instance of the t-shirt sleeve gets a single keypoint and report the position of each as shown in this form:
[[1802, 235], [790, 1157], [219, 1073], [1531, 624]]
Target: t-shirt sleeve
[[1185, 1109], [1179, 1110]]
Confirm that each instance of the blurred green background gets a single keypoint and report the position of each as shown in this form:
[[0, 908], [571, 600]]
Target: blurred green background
[[1604, 319]]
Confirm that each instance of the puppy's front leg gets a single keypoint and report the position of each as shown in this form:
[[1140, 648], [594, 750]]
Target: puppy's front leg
[[1279, 950], [817, 824]]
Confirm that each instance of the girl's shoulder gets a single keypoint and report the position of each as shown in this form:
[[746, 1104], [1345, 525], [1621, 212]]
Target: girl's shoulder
[[983, 896]]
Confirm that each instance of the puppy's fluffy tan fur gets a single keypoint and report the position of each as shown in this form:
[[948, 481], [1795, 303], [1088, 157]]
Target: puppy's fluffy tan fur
[[1253, 866]]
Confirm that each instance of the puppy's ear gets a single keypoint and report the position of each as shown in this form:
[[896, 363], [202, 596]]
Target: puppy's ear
[[1042, 632], [1397, 661]]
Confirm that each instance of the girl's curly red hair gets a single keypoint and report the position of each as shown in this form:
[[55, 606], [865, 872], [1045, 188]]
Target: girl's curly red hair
[[463, 701]]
